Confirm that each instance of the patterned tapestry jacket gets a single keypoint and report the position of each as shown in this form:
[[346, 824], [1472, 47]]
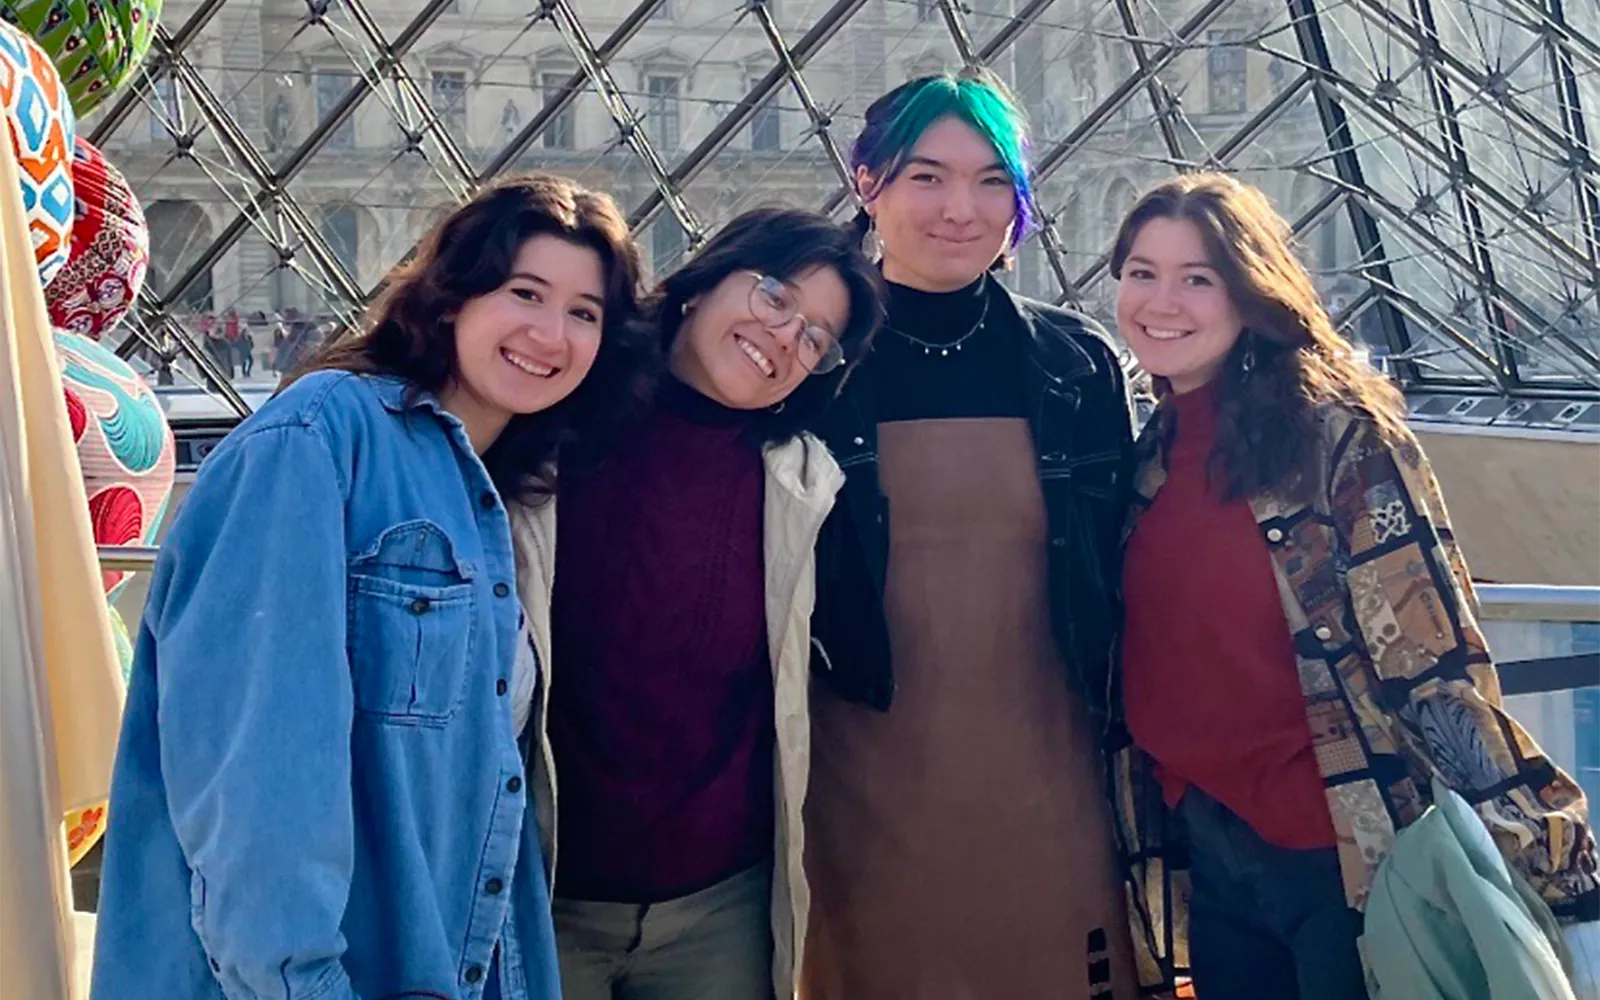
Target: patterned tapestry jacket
[[1398, 687]]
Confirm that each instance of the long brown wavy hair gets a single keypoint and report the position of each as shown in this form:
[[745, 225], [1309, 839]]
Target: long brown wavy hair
[[1297, 363], [409, 331]]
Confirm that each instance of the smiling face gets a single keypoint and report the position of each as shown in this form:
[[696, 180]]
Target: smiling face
[[1172, 307], [948, 215], [526, 345], [725, 353]]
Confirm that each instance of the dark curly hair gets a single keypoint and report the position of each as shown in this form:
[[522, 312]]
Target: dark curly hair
[[1266, 415], [410, 333], [782, 243]]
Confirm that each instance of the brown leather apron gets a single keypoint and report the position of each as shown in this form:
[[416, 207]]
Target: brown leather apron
[[959, 846]]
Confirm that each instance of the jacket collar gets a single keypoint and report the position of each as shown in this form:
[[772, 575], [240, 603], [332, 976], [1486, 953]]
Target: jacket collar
[[805, 470], [1055, 351], [1150, 474], [397, 395]]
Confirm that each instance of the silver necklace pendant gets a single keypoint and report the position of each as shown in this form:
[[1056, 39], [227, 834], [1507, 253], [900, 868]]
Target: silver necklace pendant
[[945, 350]]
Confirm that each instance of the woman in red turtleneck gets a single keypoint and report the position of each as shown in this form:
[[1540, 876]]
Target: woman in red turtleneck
[[1300, 656]]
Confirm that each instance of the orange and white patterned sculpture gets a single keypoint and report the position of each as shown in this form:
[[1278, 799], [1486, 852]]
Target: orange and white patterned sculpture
[[42, 128]]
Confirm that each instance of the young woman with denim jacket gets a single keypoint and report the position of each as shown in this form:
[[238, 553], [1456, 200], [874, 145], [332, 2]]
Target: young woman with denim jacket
[[677, 713], [318, 793], [1300, 656]]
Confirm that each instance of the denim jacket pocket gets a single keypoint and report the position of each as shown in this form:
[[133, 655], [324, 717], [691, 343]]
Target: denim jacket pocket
[[410, 619]]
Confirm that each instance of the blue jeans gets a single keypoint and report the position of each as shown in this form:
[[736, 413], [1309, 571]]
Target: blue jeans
[[1265, 921]]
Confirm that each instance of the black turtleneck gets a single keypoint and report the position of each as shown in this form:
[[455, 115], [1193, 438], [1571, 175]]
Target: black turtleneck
[[926, 366], [679, 399]]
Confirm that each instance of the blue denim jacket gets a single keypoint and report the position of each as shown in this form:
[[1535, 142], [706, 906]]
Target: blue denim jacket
[[317, 791]]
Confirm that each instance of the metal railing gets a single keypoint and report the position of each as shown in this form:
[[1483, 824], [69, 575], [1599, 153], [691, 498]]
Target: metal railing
[[1498, 602], [127, 558], [1519, 602]]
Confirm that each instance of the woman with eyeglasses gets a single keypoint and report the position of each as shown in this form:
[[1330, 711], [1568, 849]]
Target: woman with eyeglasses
[[677, 642]]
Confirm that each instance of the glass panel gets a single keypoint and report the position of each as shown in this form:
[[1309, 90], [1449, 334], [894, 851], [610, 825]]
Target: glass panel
[[1566, 724], [257, 79]]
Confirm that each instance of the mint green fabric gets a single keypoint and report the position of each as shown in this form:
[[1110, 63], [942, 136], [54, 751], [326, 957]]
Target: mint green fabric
[[1447, 920]]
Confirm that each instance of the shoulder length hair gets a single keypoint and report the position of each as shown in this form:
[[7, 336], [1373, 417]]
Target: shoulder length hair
[[976, 96], [785, 244], [409, 332], [1289, 362]]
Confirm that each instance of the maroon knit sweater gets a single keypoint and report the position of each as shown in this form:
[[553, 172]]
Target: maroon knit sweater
[[661, 713], [1209, 677]]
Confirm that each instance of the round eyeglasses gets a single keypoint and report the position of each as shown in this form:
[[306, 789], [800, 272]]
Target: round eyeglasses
[[773, 304]]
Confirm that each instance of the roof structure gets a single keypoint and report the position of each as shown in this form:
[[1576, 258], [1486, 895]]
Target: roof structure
[[1438, 159]]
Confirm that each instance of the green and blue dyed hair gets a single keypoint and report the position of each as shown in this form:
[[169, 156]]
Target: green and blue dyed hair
[[977, 97]]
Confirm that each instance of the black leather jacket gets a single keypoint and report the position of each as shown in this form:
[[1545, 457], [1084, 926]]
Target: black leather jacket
[[1078, 408]]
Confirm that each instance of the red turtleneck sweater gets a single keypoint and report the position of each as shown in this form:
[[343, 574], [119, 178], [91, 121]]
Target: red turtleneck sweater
[[1209, 678]]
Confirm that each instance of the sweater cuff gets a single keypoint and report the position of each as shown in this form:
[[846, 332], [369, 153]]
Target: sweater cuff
[[1583, 945]]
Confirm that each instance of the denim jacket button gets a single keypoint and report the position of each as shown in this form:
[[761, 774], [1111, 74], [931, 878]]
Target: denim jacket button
[[514, 784], [501, 590], [486, 500], [493, 886], [420, 606], [500, 687], [1324, 633], [474, 974], [858, 441]]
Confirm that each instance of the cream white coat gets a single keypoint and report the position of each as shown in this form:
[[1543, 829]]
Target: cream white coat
[[801, 482]]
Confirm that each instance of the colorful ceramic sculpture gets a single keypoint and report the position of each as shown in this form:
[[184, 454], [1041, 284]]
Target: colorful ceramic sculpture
[[42, 126], [97, 45], [126, 455], [125, 448], [139, 19], [110, 250]]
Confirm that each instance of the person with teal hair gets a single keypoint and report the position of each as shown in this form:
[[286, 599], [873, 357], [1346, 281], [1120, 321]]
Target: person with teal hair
[[958, 843]]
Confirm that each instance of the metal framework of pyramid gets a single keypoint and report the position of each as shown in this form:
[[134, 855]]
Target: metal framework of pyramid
[[1437, 157]]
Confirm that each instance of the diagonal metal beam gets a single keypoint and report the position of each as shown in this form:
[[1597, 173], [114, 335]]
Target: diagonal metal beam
[[1568, 144], [1463, 268], [1307, 21], [790, 62], [272, 185], [1020, 22], [388, 64], [1553, 19], [1462, 189], [1570, 105], [268, 191], [1183, 39], [570, 90], [1438, 157], [113, 116], [1248, 132], [1155, 90], [396, 70], [627, 121], [1410, 35]]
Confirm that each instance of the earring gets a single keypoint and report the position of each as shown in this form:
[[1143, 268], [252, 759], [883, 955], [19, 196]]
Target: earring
[[683, 309], [1247, 364], [777, 407]]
